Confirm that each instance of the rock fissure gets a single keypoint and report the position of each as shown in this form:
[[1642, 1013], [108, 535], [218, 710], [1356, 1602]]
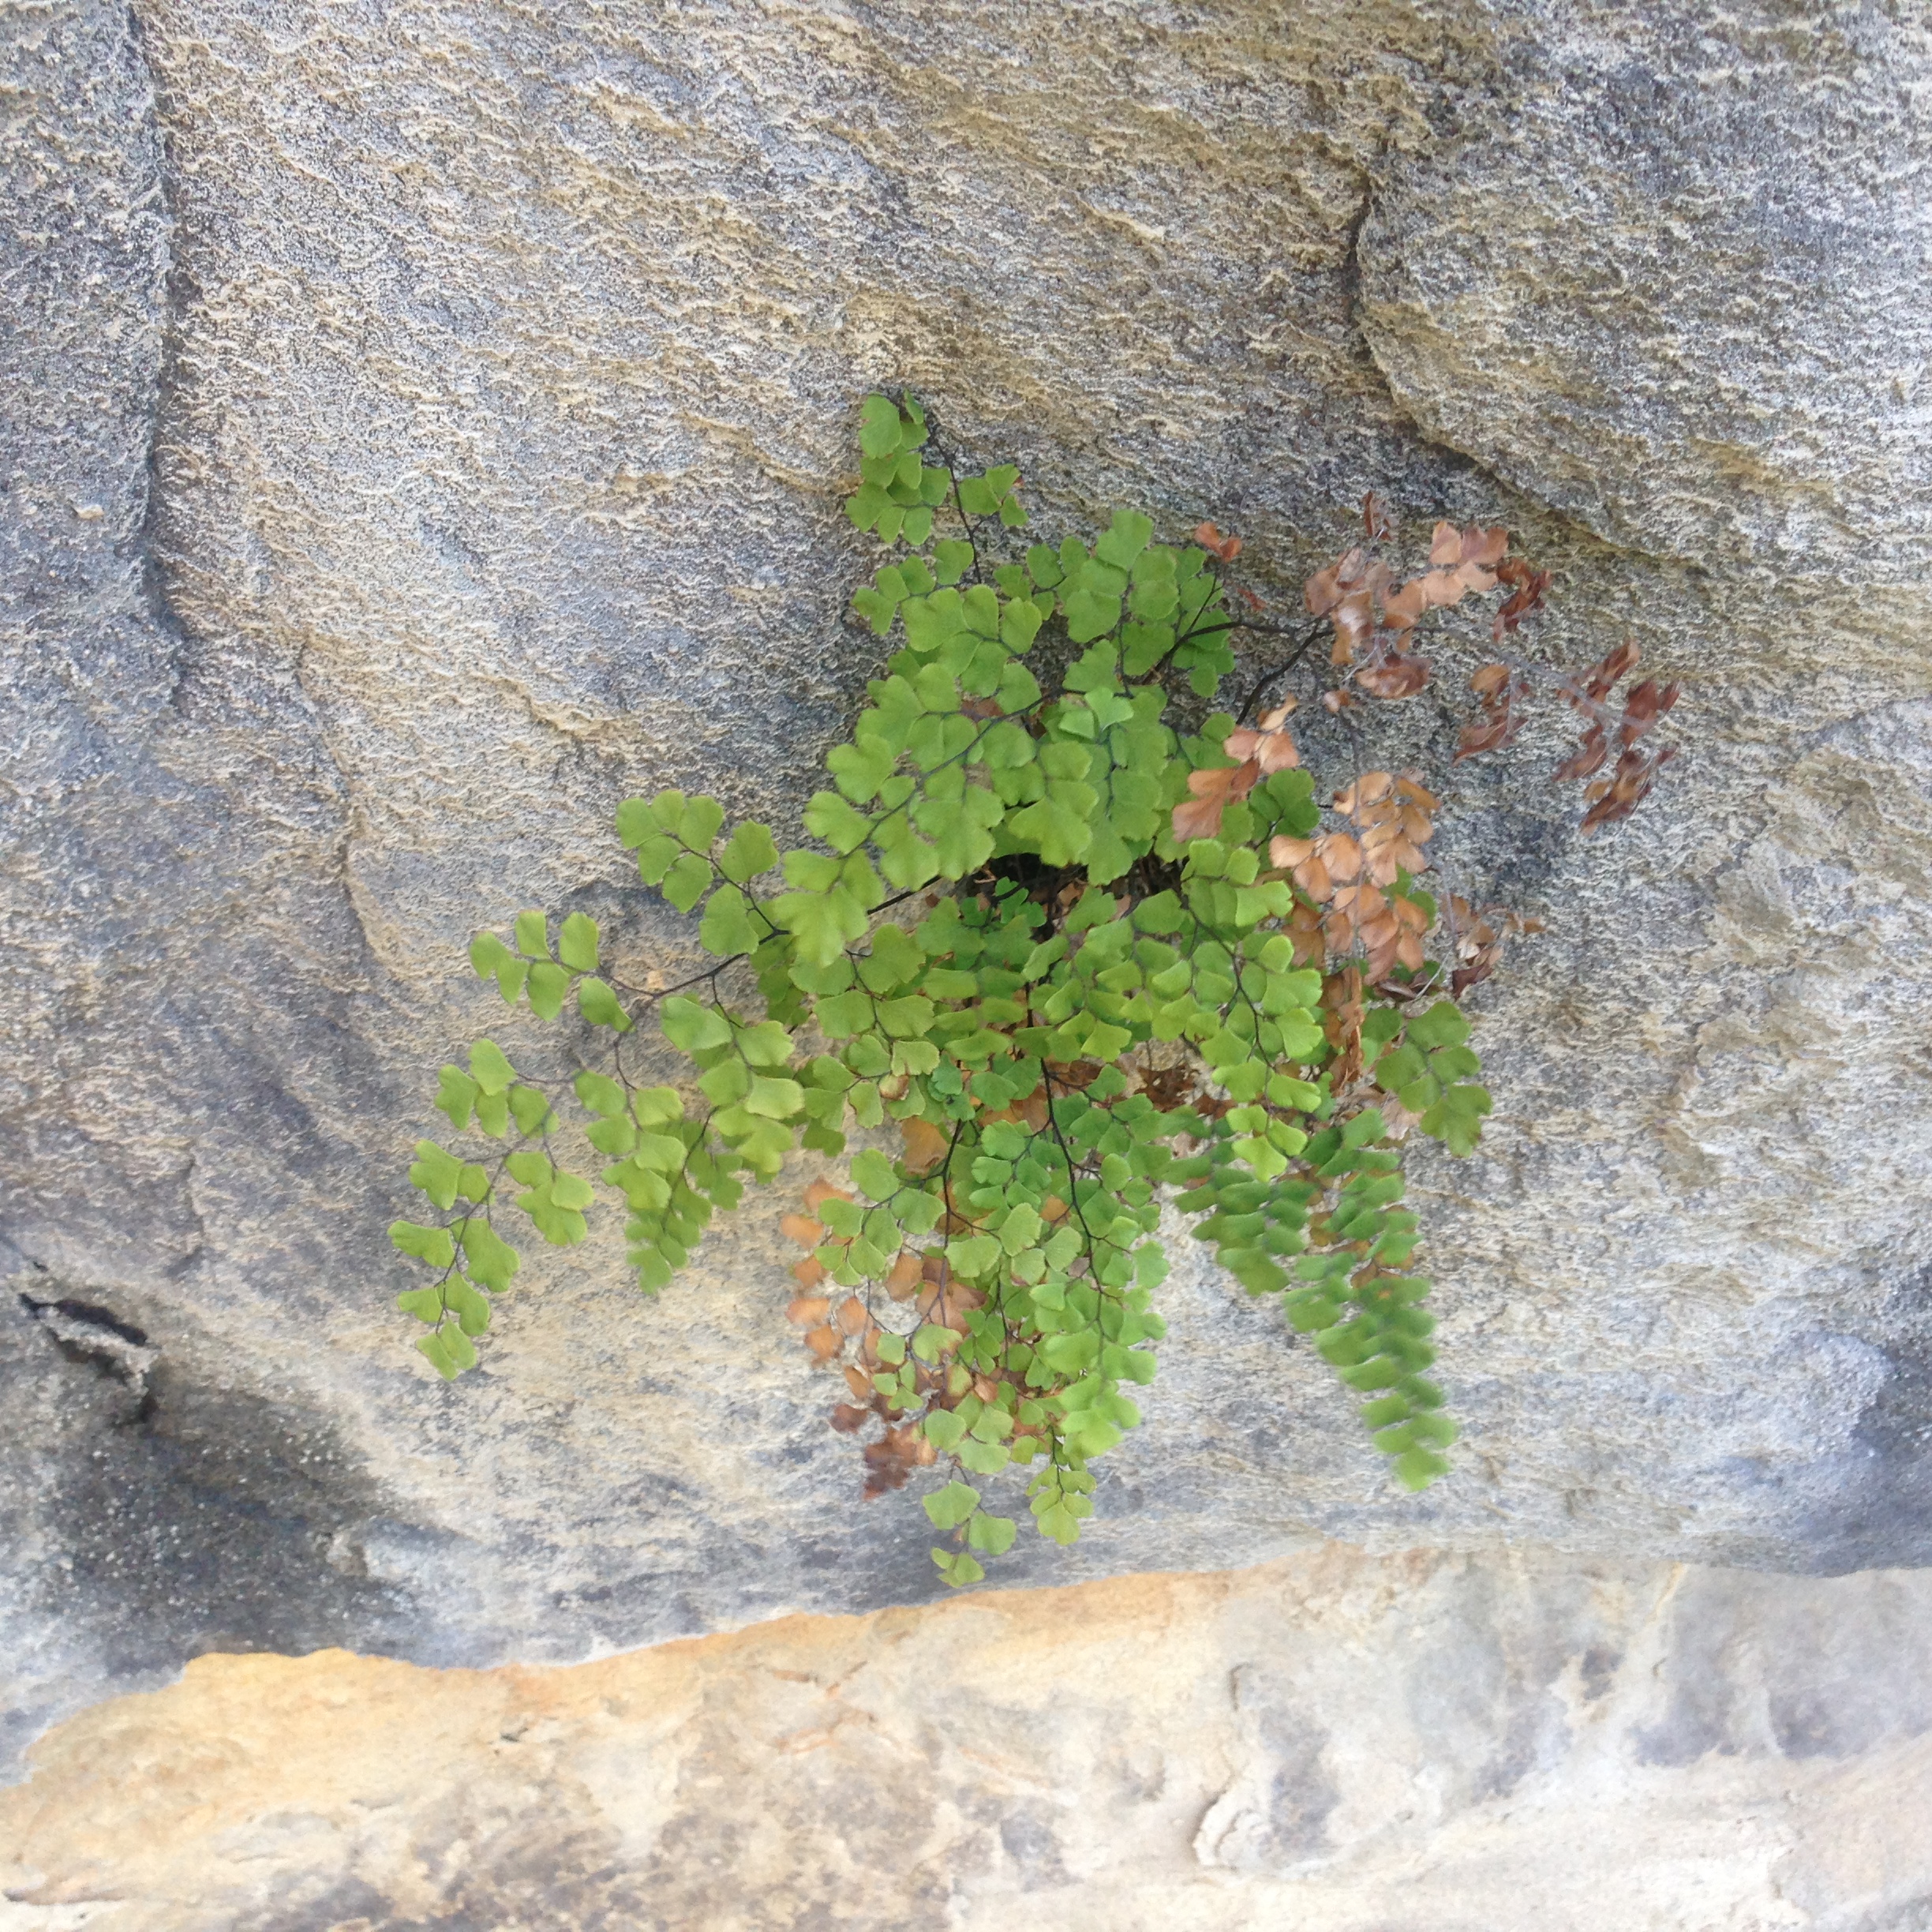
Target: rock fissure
[[159, 605], [89, 1335]]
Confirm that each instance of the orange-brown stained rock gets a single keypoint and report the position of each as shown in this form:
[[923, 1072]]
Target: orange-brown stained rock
[[1357, 1743]]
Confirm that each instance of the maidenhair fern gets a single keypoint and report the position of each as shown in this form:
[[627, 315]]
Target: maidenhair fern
[[1069, 956]]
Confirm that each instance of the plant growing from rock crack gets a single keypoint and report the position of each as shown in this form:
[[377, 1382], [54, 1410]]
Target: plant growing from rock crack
[[1071, 953]]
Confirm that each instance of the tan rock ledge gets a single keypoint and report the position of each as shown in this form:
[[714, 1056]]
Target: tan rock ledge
[[1335, 1741]]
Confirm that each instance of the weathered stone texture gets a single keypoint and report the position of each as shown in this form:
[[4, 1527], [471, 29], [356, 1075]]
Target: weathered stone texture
[[1672, 281], [465, 392], [1424, 1743]]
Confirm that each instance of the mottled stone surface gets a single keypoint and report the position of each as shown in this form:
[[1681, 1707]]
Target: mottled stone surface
[[1731, 219], [1412, 1743], [433, 427]]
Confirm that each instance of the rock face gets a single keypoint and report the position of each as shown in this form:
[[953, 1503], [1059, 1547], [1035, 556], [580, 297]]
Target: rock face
[[1674, 286], [1394, 1744], [432, 431]]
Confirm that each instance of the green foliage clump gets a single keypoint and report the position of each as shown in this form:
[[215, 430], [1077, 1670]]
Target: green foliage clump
[[1071, 955]]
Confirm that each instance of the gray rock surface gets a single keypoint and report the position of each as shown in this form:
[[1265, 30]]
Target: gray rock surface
[[425, 426], [1671, 281]]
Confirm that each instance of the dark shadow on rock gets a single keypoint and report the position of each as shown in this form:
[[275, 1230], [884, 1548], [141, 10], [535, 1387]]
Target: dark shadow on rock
[[155, 1515]]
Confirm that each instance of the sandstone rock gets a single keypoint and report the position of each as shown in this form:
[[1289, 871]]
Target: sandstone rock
[[465, 394], [1508, 1741]]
